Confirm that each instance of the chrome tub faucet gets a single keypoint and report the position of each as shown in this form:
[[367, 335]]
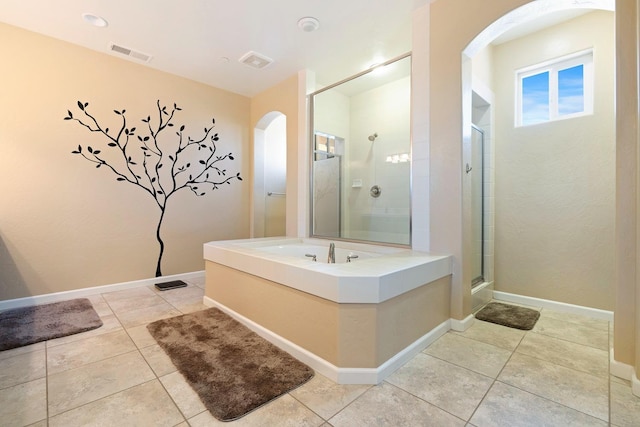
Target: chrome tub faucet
[[331, 259]]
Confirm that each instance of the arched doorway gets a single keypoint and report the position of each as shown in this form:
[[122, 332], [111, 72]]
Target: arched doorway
[[270, 174], [541, 219]]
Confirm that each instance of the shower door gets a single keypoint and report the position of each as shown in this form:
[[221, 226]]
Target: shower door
[[476, 170]]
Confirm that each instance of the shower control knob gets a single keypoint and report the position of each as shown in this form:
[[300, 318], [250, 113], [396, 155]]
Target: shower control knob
[[375, 191]]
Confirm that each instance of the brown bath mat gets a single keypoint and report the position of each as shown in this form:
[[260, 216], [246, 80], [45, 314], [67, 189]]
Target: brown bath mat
[[509, 315], [29, 325], [233, 370]]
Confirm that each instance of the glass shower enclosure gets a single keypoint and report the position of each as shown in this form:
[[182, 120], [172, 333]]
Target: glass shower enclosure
[[361, 156]]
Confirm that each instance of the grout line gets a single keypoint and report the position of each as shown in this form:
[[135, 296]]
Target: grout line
[[46, 382], [426, 401]]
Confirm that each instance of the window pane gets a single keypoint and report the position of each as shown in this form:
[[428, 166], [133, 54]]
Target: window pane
[[571, 90], [535, 98]]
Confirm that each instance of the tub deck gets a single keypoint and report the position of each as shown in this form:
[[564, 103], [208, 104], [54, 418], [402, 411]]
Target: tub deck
[[372, 280], [354, 323]]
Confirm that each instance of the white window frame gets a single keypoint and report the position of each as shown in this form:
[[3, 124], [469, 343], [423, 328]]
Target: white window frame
[[584, 58]]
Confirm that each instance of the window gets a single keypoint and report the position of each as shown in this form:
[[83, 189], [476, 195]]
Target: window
[[555, 90]]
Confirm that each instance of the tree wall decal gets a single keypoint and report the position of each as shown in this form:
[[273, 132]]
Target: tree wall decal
[[149, 164]]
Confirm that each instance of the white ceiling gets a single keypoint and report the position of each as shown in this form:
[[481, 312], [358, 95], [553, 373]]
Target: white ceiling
[[189, 38]]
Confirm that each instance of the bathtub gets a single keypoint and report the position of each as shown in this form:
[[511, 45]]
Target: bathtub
[[354, 322]]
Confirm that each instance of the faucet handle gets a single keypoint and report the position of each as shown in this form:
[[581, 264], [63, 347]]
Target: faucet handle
[[313, 256], [350, 257]]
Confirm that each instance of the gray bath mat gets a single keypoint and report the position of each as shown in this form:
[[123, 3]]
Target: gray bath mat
[[509, 315], [28, 325], [233, 369]]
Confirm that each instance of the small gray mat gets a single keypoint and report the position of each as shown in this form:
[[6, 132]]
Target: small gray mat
[[509, 315], [29, 325]]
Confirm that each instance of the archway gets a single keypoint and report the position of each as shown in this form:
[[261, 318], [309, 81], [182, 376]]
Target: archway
[[525, 16], [268, 216]]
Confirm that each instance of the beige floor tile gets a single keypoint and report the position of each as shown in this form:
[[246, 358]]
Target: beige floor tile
[[122, 302], [159, 361], [187, 300], [146, 404], [22, 350], [573, 332], [183, 394], [509, 406], [141, 336], [532, 307], [578, 390], [387, 405], [485, 359], [197, 281], [100, 305], [22, 368], [285, 411], [452, 388], [187, 308], [110, 323], [93, 349], [571, 355], [490, 333], [144, 315], [325, 397], [190, 292], [23, 404], [75, 387], [620, 380], [625, 407], [42, 423], [579, 319]]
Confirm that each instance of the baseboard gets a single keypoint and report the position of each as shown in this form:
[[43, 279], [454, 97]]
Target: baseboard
[[595, 313], [619, 369], [462, 325], [329, 370], [635, 385], [84, 292], [624, 371]]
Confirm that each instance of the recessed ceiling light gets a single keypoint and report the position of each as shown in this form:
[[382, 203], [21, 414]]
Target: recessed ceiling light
[[95, 20], [308, 24]]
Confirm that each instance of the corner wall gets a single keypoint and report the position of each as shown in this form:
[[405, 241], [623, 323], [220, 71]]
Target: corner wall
[[447, 42], [66, 225]]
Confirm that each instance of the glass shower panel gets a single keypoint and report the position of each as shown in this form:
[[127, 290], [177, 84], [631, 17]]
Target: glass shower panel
[[477, 205]]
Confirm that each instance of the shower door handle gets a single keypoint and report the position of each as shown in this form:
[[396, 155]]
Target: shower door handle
[[468, 168]]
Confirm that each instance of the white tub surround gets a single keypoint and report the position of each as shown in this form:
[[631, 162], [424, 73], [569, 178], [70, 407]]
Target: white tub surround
[[380, 273], [354, 322]]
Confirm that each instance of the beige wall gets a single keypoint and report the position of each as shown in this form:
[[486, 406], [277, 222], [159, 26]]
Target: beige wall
[[555, 181], [453, 25], [65, 224]]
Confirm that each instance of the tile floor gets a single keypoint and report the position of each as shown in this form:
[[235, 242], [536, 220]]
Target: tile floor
[[555, 375]]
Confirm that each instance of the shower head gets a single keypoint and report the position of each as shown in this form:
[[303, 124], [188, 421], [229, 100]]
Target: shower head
[[373, 137]]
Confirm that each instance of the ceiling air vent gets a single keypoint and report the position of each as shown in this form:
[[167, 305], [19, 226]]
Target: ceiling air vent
[[130, 52], [255, 60]]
